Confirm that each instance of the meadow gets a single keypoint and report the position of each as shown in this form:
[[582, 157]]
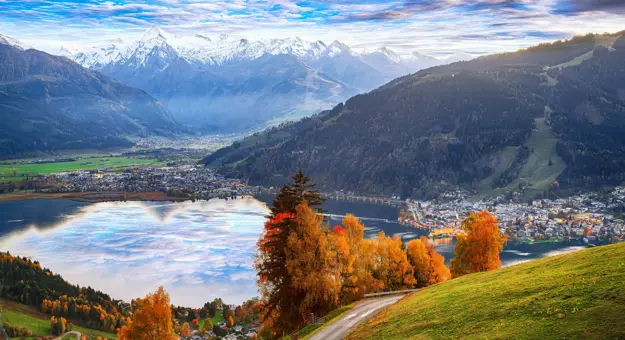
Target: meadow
[[9, 171], [572, 296], [38, 323]]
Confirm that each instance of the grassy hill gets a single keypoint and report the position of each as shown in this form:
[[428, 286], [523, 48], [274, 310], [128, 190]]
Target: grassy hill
[[38, 323], [572, 296]]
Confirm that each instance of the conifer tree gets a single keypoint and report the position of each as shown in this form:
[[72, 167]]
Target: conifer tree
[[280, 298]]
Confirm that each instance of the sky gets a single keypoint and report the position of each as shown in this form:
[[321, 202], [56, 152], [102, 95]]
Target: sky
[[437, 28]]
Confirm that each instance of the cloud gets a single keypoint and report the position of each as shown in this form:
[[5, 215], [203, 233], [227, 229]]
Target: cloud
[[432, 27], [128, 250], [574, 7]]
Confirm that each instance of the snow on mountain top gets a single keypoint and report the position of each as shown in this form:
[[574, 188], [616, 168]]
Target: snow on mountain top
[[336, 48], [387, 52], [155, 32], [203, 50], [4, 40]]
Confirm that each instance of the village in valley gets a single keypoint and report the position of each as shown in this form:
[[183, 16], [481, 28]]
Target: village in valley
[[588, 217]]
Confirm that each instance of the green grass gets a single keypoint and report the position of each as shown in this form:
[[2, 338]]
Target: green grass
[[214, 320], [572, 296], [15, 172], [310, 330], [29, 317], [536, 171]]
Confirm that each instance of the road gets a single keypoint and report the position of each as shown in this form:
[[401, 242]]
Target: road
[[77, 334], [363, 311]]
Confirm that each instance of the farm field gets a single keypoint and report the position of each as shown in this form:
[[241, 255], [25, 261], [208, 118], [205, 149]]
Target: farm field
[[10, 171]]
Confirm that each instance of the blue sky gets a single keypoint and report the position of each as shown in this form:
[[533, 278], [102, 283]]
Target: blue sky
[[433, 27]]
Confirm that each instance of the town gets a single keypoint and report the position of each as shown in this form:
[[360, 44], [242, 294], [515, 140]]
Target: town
[[588, 217]]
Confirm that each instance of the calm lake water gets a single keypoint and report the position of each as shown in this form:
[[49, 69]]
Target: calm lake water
[[197, 251]]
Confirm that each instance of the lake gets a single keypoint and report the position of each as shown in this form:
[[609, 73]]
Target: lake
[[197, 251]]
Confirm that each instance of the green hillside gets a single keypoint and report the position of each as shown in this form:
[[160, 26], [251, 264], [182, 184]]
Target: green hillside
[[573, 296], [38, 323]]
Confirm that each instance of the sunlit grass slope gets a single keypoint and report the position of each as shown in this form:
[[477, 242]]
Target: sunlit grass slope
[[574, 296]]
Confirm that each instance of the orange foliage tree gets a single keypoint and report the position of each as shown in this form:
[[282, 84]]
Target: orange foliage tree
[[280, 298], [152, 319], [230, 322], [392, 268], [356, 261], [478, 249], [311, 250], [186, 330], [428, 265]]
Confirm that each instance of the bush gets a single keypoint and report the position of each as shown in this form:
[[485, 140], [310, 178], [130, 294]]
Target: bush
[[14, 332]]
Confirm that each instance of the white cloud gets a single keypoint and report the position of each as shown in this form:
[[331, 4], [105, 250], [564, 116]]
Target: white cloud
[[432, 27], [128, 250]]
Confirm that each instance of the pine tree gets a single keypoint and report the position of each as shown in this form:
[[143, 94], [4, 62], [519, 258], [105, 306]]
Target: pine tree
[[291, 195], [280, 298]]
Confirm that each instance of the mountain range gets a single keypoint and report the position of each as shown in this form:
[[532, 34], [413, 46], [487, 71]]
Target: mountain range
[[230, 84], [49, 103], [543, 119]]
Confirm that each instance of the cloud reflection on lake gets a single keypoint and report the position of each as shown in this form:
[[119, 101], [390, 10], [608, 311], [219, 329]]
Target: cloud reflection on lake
[[198, 251]]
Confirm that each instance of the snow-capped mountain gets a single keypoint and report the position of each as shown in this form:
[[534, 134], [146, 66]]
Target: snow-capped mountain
[[4, 40], [200, 78], [202, 50]]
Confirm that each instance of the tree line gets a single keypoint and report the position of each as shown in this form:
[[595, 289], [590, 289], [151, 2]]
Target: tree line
[[25, 281]]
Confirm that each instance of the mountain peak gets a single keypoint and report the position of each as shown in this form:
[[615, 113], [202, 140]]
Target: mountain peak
[[415, 55], [154, 32], [5, 40], [337, 48]]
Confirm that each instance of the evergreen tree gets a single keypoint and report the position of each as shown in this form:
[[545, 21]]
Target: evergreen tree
[[291, 195], [280, 297]]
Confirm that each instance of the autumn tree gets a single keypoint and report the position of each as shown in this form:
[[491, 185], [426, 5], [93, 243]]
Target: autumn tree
[[428, 265], [280, 298], [58, 325], [152, 319], [312, 264], [355, 260], [208, 324], [392, 268], [230, 322], [186, 330], [478, 249], [239, 313]]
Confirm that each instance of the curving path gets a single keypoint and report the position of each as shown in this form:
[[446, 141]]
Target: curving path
[[77, 334], [363, 311]]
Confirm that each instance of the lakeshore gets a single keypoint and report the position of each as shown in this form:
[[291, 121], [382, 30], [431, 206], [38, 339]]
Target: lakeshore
[[95, 197]]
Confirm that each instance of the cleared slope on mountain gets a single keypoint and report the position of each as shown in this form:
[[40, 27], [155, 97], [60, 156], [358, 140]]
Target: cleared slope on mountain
[[450, 126], [572, 296], [50, 103]]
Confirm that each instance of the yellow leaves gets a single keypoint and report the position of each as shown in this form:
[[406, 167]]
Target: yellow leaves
[[478, 250], [152, 319], [186, 330], [391, 266]]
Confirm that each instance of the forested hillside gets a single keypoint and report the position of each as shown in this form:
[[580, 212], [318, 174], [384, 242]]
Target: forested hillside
[[544, 118], [25, 281], [49, 103]]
